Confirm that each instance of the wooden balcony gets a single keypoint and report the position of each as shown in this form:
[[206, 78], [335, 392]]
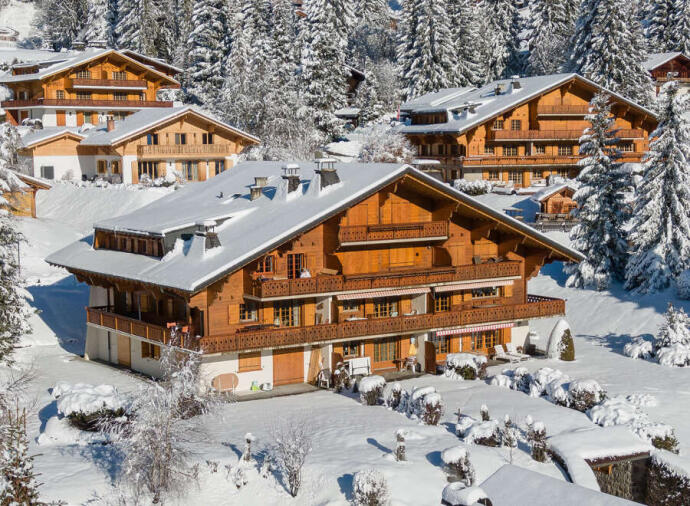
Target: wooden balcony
[[662, 77], [371, 234], [105, 317], [507, 162], [270, 288], [83, 103], [554, 135], [536, 307], [174, 150], [107, 83], [563, 110]]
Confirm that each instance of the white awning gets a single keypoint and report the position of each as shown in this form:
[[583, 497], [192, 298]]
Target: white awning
[[469, 286], [481, 328], [383, 293]]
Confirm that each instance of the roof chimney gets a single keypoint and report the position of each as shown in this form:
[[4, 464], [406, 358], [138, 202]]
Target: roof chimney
[[325, 167], [498, 90], [516, 82], [255, 192], [260, 181], [207, 229], [291, 175], [110, 124]]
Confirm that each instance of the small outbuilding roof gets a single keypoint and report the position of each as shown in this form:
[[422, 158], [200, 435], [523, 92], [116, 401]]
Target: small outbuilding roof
[[547, 192], [655, 60]]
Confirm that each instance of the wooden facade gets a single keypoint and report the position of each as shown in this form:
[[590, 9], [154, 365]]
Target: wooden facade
[[676, 68], [376, 297], [530, 141], [22, 202]]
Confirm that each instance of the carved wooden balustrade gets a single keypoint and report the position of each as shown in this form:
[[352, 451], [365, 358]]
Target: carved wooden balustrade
[[393, 231]]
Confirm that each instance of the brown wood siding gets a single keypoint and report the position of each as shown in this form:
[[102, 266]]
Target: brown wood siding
[[288, 366]]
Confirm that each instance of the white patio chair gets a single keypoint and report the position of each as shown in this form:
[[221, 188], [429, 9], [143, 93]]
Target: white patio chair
[[512, 350], [500, 354]]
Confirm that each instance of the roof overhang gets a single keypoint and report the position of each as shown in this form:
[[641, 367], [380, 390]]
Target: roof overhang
[[57, 135]]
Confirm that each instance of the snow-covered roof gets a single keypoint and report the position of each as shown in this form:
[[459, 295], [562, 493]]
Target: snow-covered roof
[[247, 228], [64, 61], [133, 124], [28, 180], [154, 61], [596, 443], [487, 104], [544, 194], [512, 485], [655, 60]]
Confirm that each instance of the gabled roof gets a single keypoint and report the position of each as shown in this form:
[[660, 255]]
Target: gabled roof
[[35, 137], [34, 182], [655, 60], [544, 194], [151, 61], [487, 104], [249, 228], [66, 61]]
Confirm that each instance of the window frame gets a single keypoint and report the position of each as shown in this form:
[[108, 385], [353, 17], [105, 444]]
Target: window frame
[[565, 150], [515, 125], [442, 302], [150, 350], [386, 350], [352, 305], [509, 150], [266, 265], [482, 293], [248, 362], [499, 124], [287, 313], [384, 307], [249, 311]]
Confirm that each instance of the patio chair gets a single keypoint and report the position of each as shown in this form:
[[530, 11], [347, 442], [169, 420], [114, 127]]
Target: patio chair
[[512, 350], [323, 379], [500, 354]]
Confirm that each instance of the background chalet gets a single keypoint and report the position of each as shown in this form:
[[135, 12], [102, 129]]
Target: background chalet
[[518, 130], [283, 271]]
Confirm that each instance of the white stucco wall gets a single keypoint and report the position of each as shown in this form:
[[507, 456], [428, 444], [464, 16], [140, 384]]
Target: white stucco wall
[[519, 334], [47, 116], [212, 366], [62, 165], [127, 168]]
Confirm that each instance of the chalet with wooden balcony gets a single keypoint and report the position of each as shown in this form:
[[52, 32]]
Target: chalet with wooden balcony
[[516, 131], [666, 66], [274, 271], [184, 142], [86, 87]]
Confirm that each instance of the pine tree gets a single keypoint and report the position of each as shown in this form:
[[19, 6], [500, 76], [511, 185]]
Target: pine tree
[[660, 231], [373, 36], [370, 107], [206, 51], [18, 483], [599, 234], [425, 51], [504, 30], [101, 21], [674, 330], [61, 21], [469, 67], [660, 25], [145, 26], [680, 32], [608, 48], [551, 28]]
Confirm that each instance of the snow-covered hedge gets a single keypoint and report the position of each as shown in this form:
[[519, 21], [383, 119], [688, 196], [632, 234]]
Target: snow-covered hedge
[[585, 394], [85, 405], [668, 482], [370, 488], [466, 366], [371, 389], [457, 461], [457, 494], [478, 187]]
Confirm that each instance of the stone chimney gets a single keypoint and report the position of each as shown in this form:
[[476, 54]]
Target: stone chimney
[[325, 167], [207, 229], [255, 192], [498, 90], [292, 176], [260, 181]]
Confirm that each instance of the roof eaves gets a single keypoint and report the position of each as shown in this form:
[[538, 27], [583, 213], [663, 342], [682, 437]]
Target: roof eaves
[[53, 136]]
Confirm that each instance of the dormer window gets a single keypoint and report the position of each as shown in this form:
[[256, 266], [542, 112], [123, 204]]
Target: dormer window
[[498, 124], [60, 94], [119, 76], [83, 74]]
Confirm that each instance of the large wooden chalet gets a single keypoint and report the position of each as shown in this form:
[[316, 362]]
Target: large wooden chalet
[[274, 271], [665, 66], [517, 131]]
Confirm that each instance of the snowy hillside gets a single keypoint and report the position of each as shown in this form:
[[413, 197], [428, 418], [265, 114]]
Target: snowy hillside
[[20, 16]]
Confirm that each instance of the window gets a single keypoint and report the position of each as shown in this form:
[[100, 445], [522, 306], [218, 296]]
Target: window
[[515, 176], [115, 167], [498, 124], [516, 124], [494, 175], [23, 95], [149, 168], [442, 302], [180, 138], [442, 344], [286, 313], [47, 172], [537, 174], [265, 264], [149, 350], [120, 96], [489, 291], [489, 150], [627, 147], [83, 74], [101, 166], [83, 95], [123, 244], [207, 138], [219, 166], [60, 94], [562, 172], [351, 305], [539, 149], [484, 340], [248, 311], [351, 349], [295, 265], [191, 170], [565, 150], [249, 361], [441, 150], [385, 350], [152, 139], [142, 97], [510, 151], [385, 307], [120, 76]]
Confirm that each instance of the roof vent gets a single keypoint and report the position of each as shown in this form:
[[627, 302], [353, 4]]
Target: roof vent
[[325, 167], [516, 82], [498, 90], [207, 229], [255, 192], [260, 181], [291, 175]]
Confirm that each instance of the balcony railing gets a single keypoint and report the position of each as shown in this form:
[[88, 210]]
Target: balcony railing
[[563, 110], [182, 149], [342, 283], [68, 102], [662, 76], [536, 160], [280, 337], [393, 231], [108, 83], [527, 135]]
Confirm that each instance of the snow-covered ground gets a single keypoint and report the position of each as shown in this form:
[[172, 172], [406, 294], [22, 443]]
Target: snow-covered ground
[[20, 16], [347, 437]]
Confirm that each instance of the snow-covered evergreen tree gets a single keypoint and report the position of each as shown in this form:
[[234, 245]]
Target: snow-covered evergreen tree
[[145, 26], [608, 48], [660, 25], [425, 52], [504, 30], [206, 51], [18, 484], [370, 107], [61, 21], [373, 36], [383, 145], [469, 65], [601, 212], [680, 33], [674, 330], [101, 22], [551, 28], [660, 232]]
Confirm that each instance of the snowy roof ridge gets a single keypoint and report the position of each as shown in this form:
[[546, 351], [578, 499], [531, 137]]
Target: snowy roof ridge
[[550, 190], [655, 60], [251, 227]]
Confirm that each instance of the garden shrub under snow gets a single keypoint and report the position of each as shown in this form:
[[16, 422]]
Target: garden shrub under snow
[[561, 344], [479, 187], [676, 355], [87, 406], [433, 409], [371, 389], [394, 396], [369, 488], [484, 433], [668, 482], [457, 494], [466, 366], [457, 461], [638, 348], [585, 394]]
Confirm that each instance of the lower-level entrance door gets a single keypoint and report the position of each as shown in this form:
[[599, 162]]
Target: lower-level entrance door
[[288, 366], [124, 356]]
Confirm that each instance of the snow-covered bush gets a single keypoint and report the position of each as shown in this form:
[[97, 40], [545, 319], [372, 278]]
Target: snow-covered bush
[[515, 379], [502, 380], [18, 481], [248, 440], [291, 446], [550, 383], [674, 330], [638, 348], [536, 438], [370, 488], [238, 476], [477, 187], [585, 394], [371, 389], [484, 412], [661, 435], [561, 343], [683, 285], [88, 407], [676, 355], [463, 425], [400, 448], [341, 378], [384, 145], [466, 366], [394, 396], [457, 494], [433, 409], [668, 482], [457, 461], [415, 400], [484, 433]]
